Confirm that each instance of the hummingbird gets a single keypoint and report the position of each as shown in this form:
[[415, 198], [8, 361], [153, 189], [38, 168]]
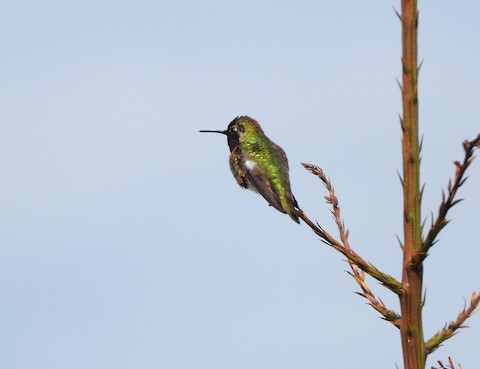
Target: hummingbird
[[259, 164]]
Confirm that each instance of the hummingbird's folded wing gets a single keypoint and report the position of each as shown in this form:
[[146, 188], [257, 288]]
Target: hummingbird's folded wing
[[264, 188]]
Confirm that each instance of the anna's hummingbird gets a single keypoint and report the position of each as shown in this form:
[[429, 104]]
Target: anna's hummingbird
[[259, 164]]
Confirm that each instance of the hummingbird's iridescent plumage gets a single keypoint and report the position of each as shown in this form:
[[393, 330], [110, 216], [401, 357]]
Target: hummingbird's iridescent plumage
[[259, 164]]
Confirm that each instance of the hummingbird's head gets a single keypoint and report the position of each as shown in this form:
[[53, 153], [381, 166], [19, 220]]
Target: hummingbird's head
[[238, 129]]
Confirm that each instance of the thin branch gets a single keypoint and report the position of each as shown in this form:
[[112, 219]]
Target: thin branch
[[451, 329], [388, 315], [357, 274], [343, 246], [449, 201]]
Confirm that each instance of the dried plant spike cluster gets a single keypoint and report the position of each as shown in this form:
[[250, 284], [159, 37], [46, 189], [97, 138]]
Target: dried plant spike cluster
[[451, 329], [449, 366], [449, 201]]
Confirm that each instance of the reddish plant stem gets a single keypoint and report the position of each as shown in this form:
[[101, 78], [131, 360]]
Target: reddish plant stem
[[411, 328]]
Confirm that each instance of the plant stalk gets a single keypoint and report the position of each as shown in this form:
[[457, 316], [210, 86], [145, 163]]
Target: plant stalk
[[411, 327]]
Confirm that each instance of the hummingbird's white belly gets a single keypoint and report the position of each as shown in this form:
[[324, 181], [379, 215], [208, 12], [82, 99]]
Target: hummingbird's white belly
[[250, 164]]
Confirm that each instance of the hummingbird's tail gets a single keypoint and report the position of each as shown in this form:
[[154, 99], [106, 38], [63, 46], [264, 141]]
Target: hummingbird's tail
[[294, 216], [295, 211]]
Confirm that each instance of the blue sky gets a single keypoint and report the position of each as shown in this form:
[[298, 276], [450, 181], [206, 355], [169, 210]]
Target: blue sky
[[125, 241]]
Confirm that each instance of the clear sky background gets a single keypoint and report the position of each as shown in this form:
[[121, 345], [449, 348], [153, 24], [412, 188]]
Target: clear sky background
[[126, 243]]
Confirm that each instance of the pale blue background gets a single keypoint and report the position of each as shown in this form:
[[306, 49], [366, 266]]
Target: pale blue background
[[124, 240]]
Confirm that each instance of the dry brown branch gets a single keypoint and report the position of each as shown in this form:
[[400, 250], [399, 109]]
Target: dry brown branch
[[448, 201], [357, 264], [451, 329], [388, 315], [357, 274]]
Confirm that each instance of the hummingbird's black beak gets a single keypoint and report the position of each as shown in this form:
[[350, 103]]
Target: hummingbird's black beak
[[222, 132]]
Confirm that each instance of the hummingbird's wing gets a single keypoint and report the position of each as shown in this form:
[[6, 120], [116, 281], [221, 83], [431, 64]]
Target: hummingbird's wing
[[270, 178], [264, 187], [253, 175]]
